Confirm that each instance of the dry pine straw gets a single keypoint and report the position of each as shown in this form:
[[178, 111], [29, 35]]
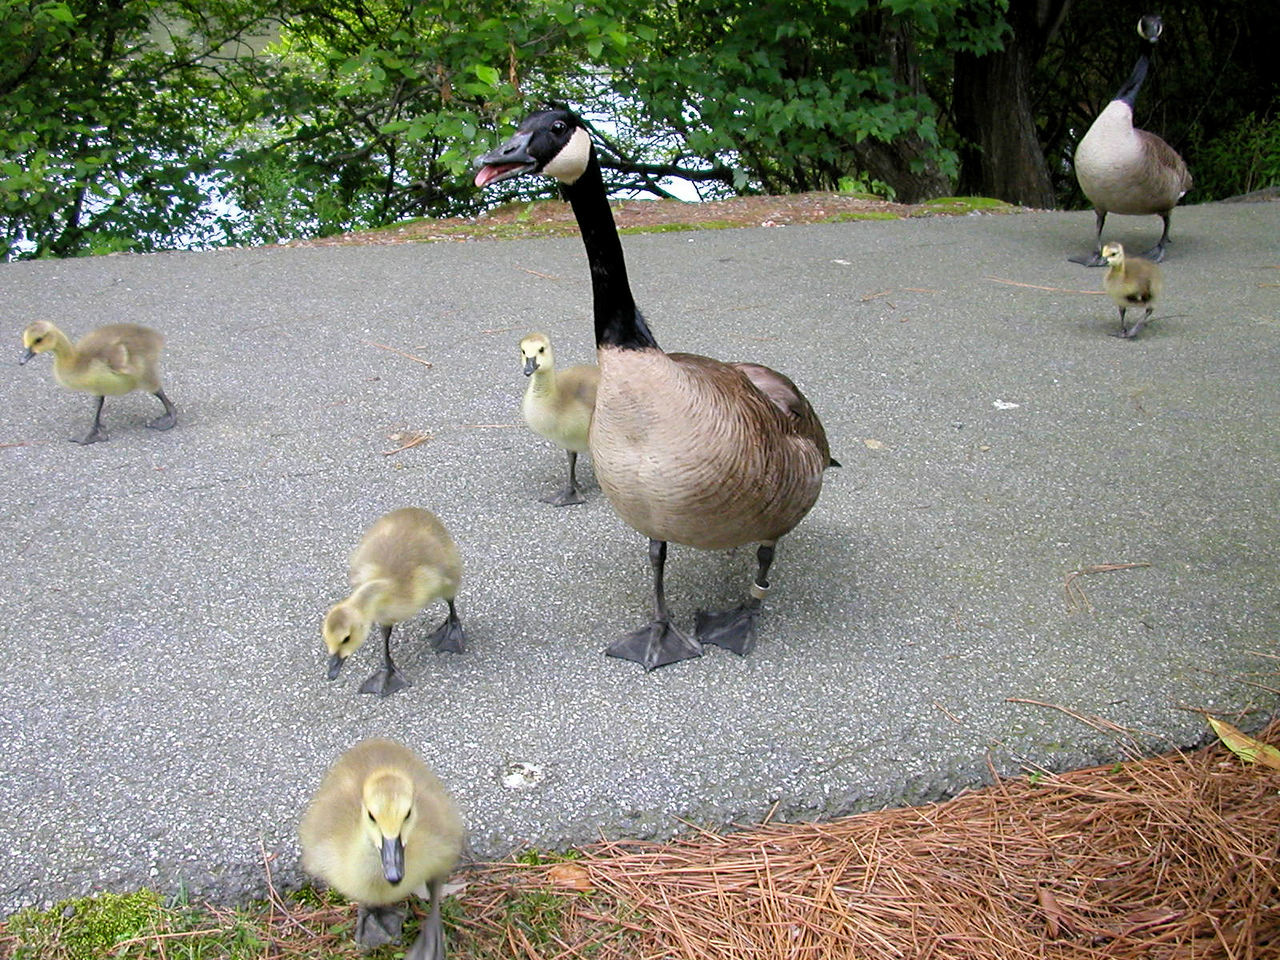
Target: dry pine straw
[[1172, 857]]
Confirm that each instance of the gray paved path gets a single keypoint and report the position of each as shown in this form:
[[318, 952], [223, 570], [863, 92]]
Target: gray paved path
[[163, 707]]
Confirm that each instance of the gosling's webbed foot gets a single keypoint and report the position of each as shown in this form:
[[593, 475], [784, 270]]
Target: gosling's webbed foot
[[654, 645], [376, 926], [732, 629], [448, 637], [164, 422], [566, 497], [430, 942], [1092, 260], [385, 682], [93, 436], [1132, 331]]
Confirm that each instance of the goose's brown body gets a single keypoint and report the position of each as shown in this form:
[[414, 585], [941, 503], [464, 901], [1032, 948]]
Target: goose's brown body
[[686, 448], [691, 450], [1126, 170]]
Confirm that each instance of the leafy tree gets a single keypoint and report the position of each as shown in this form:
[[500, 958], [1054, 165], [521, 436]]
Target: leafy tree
[[108, 109]]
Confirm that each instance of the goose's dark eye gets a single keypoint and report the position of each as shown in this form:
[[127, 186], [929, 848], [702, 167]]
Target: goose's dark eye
[[559, 127]]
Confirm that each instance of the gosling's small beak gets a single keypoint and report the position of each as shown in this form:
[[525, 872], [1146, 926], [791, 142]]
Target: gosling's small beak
[[26, 356], [393, 859], [335, 666], [530, 366]]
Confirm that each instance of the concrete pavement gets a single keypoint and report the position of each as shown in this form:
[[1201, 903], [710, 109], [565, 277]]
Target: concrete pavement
[[163, 706]]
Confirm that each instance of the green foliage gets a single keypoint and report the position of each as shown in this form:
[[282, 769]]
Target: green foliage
[[1243, 158], [107, 120], [84, 929], [150, 124], [787, 93]]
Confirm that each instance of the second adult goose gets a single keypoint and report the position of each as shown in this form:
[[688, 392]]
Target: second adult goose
[[557, 405], [687, 449], [1122, 169]]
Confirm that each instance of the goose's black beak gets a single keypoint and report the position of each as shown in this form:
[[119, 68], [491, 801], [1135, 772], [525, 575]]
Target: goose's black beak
[[393, 859], [530, 366], [509, 160], [26, 356], [335, 666]]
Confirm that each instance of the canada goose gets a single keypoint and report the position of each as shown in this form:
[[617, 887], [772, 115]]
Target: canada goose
[[380, 827], [686, 448], [109, 362], [404, 561], [557, 405], [1131, 282], [1125, 170]]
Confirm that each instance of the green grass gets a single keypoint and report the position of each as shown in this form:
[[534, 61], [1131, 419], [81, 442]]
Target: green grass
[[304, 925], [678, 227], [864, 215], [960, 205]]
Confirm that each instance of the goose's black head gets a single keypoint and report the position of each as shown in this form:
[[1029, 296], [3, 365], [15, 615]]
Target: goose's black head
[[1150, 27], [553, 142]]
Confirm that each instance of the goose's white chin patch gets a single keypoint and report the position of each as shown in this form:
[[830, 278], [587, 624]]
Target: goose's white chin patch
[[571, 162]]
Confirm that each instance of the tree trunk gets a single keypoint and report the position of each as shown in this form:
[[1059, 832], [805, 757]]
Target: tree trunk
[[905, 163], [1001, 155]]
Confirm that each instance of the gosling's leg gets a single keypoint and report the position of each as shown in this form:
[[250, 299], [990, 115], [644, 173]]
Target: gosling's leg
[[569, 495], [387, 680], [378, 925], [736, 629], [1137, 327], [1124, 330], [657, 643], [430, 942], [1156, 253], [168, 418], [448, 637], [97, 432], [1095, 259]]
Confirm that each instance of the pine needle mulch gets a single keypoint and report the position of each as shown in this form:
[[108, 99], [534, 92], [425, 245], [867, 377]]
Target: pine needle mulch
[[1175, 857]]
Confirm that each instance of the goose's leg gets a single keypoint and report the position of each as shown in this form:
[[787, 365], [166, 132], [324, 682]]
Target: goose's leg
[[657, 643], [1095, 259], [430, 942], [378, 925], [736, 629], [387, 680], [98, 432], [1156, 253], [448, 637], [569, 495], [168, 418]]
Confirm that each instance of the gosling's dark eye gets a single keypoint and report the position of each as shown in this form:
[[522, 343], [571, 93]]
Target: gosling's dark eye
[[372, 819]]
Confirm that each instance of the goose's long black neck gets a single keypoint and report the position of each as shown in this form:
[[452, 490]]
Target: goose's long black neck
[[618, 322], [1129, 92]]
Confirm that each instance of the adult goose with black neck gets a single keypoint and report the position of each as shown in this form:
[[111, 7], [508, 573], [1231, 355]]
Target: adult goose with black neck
[[687, 449], [1122, 169]]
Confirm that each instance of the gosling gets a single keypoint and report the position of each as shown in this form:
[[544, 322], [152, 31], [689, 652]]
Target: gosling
[[1131, 282], [558, 405], [107, 362], [405, 560], [380, 827]]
